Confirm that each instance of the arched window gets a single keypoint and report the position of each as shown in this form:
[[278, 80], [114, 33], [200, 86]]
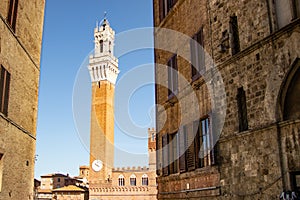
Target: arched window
[[145, 179], [121, 180], [101, 46], [109, 46], [133, 180], [291, 91]]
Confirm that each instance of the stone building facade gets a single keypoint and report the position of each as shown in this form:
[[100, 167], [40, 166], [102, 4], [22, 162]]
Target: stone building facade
[[70, 192], [51, 184], [228, 122], [105, 181], [21, 27], [131, 183]]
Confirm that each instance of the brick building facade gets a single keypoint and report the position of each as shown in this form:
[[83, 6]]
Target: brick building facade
[[105, 181], [131, 183], [232, 110], [21, 27]]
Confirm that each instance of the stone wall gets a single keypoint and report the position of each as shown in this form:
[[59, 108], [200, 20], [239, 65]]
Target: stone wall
[[20, 55], [252, 164]]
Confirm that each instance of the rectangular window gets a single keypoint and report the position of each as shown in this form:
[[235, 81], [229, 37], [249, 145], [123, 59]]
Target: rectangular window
[[182, 149], [296, 8], [165, 155], [205, 147], [1, 170], [12, 13], [197, 54], [164, 7], [172, 77], [4, 90], [234, 34], [242, 109]]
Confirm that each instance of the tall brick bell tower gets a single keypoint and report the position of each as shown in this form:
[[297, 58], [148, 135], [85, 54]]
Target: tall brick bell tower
[[103, 68]]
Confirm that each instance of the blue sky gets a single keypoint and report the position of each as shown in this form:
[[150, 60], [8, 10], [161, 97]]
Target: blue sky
[[67, 41]]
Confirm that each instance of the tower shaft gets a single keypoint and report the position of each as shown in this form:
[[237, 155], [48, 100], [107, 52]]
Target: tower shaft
[[103, 68], [102, 131]]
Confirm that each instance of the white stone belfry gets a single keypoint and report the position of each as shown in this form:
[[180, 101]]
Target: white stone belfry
[[103, 64]]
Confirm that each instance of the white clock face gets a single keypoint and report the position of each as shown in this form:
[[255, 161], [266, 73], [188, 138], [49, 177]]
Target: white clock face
[[97, 165]]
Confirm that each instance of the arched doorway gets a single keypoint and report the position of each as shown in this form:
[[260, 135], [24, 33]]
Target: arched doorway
[[290, 94]]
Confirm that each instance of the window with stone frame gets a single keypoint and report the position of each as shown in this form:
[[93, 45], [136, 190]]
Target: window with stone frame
[[197, 54], [132, 180], [242, 109], [145, 180], [234, 35], [4, 90], [172, 77], [12, 13], [164, 7], [121, 180]]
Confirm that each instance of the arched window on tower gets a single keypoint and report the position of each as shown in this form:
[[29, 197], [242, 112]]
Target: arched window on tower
[[121, 180], [133, 180], [109, 46], [290, 95], [101, 46], [145, 180]]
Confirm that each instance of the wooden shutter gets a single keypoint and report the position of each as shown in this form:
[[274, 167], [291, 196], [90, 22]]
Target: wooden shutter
[[170, 78], [201, 54], [2, 73], [4, 90], [158, 155], [203, 147], [193, 56], [175, 73], [197, 143], [190, 148], [176, 148], [171, 154], [165, 154], [214, 144], [6, 95], [161, 10], [182, 149], [12, 13]]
